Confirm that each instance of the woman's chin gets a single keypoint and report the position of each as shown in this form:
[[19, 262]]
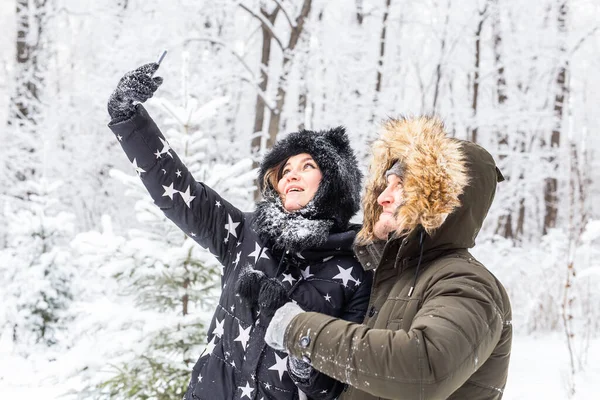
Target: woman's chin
[[291, 205]]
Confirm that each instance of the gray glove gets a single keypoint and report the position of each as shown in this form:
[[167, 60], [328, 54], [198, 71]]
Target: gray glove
[[275, 334], [136, 86]]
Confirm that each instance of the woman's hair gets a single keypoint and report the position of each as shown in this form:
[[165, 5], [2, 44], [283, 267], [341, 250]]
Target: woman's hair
[[272, 177]]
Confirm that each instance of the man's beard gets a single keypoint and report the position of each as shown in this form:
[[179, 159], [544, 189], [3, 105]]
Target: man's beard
[[383, 227]]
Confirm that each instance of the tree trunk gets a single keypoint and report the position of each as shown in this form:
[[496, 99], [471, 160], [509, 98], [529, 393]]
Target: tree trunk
[[31, 17], [476, 73], [25, 110], [360, 16], [379, 78], [551, 183], [259, 115], [303, 94], [438, 69], [285, 70], [506, 227], [259, 108]]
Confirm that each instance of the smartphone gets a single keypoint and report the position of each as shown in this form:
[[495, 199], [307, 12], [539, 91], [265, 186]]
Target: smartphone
[[160, 58]]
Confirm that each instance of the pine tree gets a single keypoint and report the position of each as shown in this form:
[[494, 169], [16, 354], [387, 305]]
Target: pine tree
[[36, 268]]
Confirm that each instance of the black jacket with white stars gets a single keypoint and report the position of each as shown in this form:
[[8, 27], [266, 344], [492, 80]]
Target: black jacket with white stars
[[236, 363]]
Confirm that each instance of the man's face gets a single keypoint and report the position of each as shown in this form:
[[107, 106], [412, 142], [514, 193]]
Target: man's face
[[390, 199]]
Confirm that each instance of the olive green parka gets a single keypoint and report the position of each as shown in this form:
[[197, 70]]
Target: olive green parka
[[439, 323]]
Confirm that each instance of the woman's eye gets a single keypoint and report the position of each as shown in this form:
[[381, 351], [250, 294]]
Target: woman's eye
[[285, 172], [309, 165]]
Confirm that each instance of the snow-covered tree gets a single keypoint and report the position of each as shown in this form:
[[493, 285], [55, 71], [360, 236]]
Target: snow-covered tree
[[36, 268]]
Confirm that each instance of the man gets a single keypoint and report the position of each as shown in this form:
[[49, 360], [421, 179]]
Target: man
[[439, 323]]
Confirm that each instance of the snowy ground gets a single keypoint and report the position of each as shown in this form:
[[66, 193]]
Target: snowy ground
[[539, 370]]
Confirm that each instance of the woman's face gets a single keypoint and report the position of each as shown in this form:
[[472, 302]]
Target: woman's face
[[300, 178]]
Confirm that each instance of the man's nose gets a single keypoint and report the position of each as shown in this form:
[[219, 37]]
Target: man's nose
[[385, 198]]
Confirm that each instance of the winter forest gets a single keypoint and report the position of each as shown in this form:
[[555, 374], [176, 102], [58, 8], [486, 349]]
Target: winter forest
[[104, 298]]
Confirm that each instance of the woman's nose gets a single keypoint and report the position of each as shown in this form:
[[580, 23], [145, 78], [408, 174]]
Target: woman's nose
[[292, 175]]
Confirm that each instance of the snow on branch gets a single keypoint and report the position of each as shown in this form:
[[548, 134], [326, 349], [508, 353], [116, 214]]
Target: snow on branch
[[266, 23]]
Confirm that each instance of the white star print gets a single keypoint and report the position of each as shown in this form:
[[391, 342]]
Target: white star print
[[231, 226], [199, 378], [211, 345], [268, 386], [178, 173], [258, 253], [169, 191], [357, 282], [220, 328], [218, 204], [166, 148], [244, 335], [246, 391], [237, 259], [157, 154], [164, 171], [232, 308], [280, 366], [306, 272], [327, 297], [137, 169], [193, 234], [119, 137], [288, 278], [345, 275], [187, 198]]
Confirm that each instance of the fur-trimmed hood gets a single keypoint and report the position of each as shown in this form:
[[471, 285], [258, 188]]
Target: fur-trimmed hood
[[448, 184]]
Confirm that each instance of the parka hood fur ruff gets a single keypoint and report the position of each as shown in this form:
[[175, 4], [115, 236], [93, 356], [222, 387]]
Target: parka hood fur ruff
[[435, 175]]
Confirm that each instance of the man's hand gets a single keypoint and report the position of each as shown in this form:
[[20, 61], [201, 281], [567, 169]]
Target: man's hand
[[275, 334], [136, 86]]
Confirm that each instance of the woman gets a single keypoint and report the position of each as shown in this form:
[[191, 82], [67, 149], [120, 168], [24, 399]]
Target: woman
[[297, 244]]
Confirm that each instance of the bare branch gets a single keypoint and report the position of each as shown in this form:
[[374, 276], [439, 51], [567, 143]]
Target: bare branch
[[253, 78], [285, 13], [266, 23], [225, 46], [583, 39]]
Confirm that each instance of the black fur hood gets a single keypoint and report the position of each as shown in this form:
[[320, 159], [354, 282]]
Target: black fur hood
[[338, 196]]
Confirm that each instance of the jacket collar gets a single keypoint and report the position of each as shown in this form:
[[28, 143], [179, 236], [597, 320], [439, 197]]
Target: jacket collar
[[403, 252]]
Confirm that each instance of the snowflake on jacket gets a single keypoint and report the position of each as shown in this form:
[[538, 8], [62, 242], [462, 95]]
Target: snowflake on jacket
[[327, 278]]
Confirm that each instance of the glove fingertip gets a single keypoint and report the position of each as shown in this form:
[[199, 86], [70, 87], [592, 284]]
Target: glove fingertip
[[158, 80], [149, 68]]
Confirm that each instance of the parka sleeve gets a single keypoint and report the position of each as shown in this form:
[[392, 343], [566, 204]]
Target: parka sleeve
[[320, 386], [194, 207], [456, 330]]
